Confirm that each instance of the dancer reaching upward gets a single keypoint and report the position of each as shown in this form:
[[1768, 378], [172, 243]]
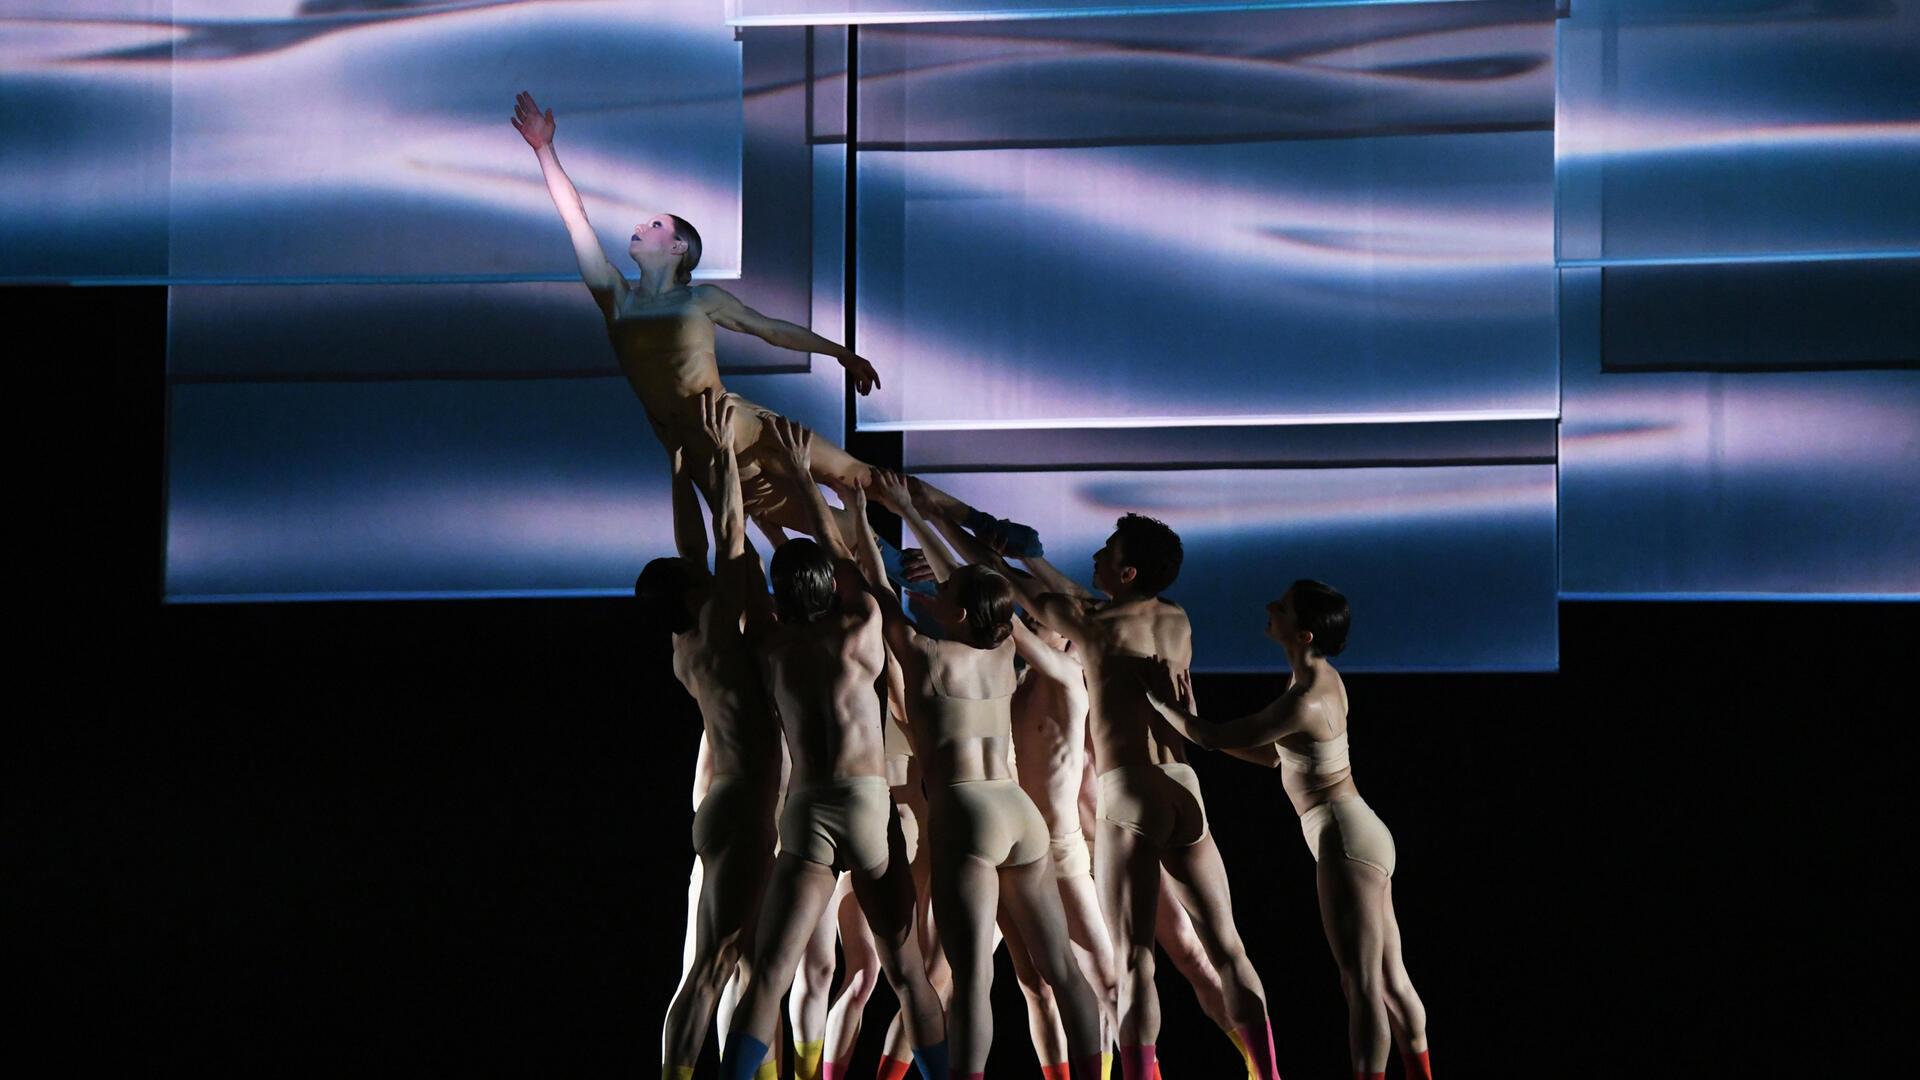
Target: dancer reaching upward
[[989, 844], [662, 329], [1151, 812], [821, 663], [1304, 731], [733, 827]]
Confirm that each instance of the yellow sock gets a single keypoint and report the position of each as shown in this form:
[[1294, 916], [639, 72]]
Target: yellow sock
[[1245, 1058], [806, 1059], [768, 1070], [1106, 1065], [676, 1072]]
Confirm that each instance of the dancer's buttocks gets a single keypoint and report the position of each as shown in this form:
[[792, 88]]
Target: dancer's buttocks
[[990, 820], [1161, 803], [839, 822]]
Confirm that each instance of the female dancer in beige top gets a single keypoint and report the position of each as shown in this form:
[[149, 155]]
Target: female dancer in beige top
[[1304, 732]]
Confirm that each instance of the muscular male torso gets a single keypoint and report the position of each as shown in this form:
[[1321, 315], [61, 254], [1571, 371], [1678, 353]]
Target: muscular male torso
[[822, 678], [1116, 641], [742, 737], [1049, 742]]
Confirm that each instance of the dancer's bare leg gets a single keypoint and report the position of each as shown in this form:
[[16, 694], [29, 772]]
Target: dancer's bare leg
[[1128, 877], [859, 975], [1080, 901], [1355, 911], [1405, 1011], [1174, 932], [731, 883], [1199, 882], [1030, 902], [887, 901], [795, 897], [813, 992], [1043, 1012], [966, 894]]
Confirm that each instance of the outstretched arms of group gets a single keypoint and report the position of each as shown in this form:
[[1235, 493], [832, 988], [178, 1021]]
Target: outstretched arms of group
[[1250, 738]]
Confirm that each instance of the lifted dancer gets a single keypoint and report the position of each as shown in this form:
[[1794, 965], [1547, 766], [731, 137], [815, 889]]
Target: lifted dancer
[[733, 826], [1151, 812], [662, 329], [822, 662], [1304, 732]]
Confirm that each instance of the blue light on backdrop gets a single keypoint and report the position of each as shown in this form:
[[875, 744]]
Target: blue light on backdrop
[[1466, 306]]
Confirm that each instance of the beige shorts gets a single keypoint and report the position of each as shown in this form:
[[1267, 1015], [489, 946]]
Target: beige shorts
[[839, 823], [1347, 826], [990, 820], [1159, 802]]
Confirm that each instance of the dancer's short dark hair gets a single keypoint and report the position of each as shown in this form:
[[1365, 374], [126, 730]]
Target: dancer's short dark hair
[[987, 598], [684, 230], [661, 590], [1321, 610], [803, 582], [1152, 549]]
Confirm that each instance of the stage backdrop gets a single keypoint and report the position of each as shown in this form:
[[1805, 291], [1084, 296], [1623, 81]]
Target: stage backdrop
[[1464, 306]]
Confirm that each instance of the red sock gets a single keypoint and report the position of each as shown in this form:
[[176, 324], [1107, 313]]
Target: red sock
[[830, 1070], [1257, 1040], [1137, 1063], [1358, 1075], [892, 1069], [1417, 1065], [1058, 1072]]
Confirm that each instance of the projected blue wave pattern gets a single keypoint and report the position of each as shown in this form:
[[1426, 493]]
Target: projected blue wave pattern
[[262, 140]]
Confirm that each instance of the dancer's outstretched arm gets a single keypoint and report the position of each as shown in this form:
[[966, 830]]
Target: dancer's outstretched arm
[[891, 489], [739, 581], [602, 277], [1281, 717], [797, 443], [725, 309]]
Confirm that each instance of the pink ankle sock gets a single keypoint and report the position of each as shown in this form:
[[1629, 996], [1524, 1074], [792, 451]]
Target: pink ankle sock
[[1137, 1062], [1257, 1040]]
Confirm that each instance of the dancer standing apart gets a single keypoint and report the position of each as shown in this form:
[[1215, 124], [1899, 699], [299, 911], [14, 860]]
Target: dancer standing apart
[[1151, 812], [662, 329], [733, 828], [822, 662], [988, 843], [1304, 731]]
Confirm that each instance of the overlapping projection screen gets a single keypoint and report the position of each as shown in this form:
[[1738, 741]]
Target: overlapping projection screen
[[385, 378], [1336, 218], [1740, 244]]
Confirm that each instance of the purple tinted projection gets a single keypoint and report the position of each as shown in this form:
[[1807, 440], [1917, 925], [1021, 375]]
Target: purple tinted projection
[[1352, 277], [364, 140], [864, 12], [1713, 129], [1448, 568], [1700, 484], [318, 489]]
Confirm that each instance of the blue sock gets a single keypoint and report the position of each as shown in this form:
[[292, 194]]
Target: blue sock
[[931, 1061], [1020, 541], [743, 1057]]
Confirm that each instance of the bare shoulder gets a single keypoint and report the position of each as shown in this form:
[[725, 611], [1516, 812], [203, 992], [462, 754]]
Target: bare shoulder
[[712, 298]]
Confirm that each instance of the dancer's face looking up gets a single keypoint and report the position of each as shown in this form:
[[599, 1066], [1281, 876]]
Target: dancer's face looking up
[[666, 238]]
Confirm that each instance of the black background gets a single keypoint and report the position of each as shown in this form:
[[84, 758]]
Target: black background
[[452, 836]]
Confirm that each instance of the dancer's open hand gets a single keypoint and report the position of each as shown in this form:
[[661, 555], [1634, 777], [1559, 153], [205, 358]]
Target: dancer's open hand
[[533, 125], [890, 488], [914, 563], [716, 419], [865, 379], [797, 442]]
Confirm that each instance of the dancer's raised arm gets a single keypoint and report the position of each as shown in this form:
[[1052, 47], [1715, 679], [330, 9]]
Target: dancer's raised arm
[[892, 491], [797, 443], [726, 310], [601, 276]]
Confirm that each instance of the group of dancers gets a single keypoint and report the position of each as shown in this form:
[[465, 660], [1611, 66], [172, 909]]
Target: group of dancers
[[1004, 764]]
